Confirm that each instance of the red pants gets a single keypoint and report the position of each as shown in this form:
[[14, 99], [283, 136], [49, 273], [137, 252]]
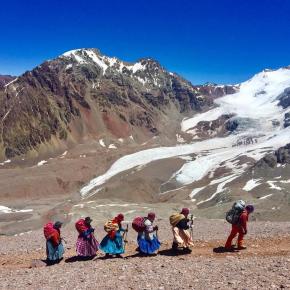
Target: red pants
[[235, 230]]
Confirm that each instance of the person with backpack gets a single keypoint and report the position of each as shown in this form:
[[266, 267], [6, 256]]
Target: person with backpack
[[112, 243], [180, 227], [147, 241], [239, 226], [54, 246], [86, 245]]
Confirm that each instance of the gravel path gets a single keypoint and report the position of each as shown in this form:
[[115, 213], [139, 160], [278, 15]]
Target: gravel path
[[264, 265]]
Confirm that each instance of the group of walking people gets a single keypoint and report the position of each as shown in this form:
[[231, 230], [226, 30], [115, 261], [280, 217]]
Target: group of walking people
[[114, 242]]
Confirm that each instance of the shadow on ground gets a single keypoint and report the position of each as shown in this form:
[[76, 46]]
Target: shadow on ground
[[220, 250], [78, 259], [170, 253]]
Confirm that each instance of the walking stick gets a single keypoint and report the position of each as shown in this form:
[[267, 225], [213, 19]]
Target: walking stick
[[191, 229], [125, 237]]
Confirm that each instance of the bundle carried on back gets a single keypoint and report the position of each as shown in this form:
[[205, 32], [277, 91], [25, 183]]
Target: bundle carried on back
[[234, 214], [48, 230], [111, 226], [81, 226], [175, 218], [138, 224]]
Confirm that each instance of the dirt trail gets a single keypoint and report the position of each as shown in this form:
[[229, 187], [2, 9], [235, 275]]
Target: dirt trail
[[265, 264], [256, 247]]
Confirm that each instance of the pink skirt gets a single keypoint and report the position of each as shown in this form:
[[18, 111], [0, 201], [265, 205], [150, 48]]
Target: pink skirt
[[87, 247]]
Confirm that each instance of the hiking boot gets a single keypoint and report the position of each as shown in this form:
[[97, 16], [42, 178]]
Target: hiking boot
[[242, 247]]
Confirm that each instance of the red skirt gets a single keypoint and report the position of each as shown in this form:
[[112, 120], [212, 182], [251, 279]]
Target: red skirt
[[87, 247]]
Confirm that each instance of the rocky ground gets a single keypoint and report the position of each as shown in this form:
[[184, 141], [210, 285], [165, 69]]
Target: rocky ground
[[264, 265]]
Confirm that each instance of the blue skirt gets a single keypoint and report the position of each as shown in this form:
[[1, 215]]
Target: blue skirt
[[148, 246], [54, 253], [113, 247]]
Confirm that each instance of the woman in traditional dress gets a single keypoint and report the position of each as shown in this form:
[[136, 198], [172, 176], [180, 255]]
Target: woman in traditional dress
[[54, 246], [180, 230], [112, 243], [147, 241], [87, 245]]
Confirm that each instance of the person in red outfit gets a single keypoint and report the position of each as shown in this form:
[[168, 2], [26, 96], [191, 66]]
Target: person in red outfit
[[54, 246], [240, 228]]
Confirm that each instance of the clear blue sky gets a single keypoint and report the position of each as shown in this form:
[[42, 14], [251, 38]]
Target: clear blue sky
[[222, 41]]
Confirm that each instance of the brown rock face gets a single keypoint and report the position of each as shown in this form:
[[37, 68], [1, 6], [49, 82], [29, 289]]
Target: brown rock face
[[83, 94], [282, 156]]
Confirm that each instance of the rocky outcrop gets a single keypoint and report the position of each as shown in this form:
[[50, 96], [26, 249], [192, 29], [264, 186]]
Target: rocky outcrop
[[216, 91], [281, 156], [286, 120], [284, 99], [219, 127]]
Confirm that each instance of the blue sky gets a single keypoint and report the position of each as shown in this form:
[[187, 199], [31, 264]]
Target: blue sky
[[222, 41]]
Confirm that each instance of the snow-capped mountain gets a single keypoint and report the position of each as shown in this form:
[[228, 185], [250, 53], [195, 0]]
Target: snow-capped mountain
[[83, 94], [221, 164], [153, 135]]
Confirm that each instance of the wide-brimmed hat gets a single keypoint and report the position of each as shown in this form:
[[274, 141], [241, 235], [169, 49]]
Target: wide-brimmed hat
[[88, 220], [57, 224]]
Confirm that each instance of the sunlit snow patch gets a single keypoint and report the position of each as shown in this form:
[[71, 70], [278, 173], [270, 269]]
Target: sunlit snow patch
[[251, 184], [265, 196], [112, 146], [273, 185], [5, 162], [5, 209], [102, 143], [42, 162]]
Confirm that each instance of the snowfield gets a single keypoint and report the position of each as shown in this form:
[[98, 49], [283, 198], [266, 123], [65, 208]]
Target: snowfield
[[257, 103]]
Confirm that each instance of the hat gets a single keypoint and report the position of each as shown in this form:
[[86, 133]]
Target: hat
[[120, 217], [88, 220], [250, 208], [185, 211], [151, 215], [57, 224]]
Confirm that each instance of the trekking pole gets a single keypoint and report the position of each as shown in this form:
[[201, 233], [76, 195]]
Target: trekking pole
[[191, 224], [125, 237]]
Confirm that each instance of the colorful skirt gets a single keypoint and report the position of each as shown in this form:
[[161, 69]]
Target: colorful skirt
[[112, 246], [148, 246], [182, 237], [54, 253], [87, 247]]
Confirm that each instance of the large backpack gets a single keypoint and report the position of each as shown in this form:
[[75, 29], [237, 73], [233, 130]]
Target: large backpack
[[175, 218], [138, 224], [233, 215], [48, 230], [110, 226]]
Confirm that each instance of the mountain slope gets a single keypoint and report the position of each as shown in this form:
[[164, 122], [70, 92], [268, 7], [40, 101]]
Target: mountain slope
[[221, 166], [83, 94]]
